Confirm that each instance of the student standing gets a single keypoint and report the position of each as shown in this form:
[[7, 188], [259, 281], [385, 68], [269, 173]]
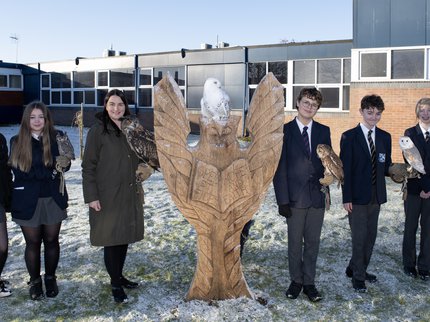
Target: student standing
[[298, 192], [111, 191], [38, 206], [5, 195], [366, 155], [417, 203]]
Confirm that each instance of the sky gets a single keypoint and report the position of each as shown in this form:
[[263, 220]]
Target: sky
[[50, 30]]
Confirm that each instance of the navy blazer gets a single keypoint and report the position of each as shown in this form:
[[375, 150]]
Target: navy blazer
[[296, 180], [415, 186], [5, 175], [357, 166], [40, 181]]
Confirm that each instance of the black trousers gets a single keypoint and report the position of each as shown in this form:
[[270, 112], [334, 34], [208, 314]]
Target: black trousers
[[363, 221], [417, 211]]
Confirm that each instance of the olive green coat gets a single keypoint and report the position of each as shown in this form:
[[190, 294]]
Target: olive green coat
[[108, 175]]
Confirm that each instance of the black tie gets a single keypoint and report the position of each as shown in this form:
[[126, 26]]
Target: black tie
[[306, 141], [373, 156], [427, 137]]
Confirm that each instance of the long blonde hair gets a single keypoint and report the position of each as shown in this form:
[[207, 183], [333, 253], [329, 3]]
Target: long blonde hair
[[21, 151]]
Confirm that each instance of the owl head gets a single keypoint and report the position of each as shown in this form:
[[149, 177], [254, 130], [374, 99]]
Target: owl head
[[129, 123], [406, 142], [323, 150]]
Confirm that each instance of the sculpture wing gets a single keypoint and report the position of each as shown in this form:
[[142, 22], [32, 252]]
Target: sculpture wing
[[265, 122], [172, 128]]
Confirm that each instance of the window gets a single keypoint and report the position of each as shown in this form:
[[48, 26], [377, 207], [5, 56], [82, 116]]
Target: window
[[122, 78], [304, 72], [373, 65], [178, 74], [329, 71], [46, 97], [279, 70], [347, 70], [145, 97], [407, 64], [60, 80], [102, 78], [3, 80], [145, 77], [330, 97], [83, 80], [256, 72], [46, 80]]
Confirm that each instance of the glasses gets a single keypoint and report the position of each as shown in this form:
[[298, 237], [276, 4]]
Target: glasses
[[308, 104]]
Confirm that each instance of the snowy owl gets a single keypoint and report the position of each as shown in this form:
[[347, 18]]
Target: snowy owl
[[215, 101], [411, 154]]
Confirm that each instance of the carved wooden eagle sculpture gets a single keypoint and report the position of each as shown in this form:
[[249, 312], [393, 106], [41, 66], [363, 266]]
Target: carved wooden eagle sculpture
[[218, 184]]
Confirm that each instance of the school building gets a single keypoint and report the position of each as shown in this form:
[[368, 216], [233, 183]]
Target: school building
[[388, 56]]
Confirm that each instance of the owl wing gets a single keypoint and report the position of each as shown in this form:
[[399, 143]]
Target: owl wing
[[65, 147], [413, 157], [142, 142], [265, 122], [171, 131], [335, 166]]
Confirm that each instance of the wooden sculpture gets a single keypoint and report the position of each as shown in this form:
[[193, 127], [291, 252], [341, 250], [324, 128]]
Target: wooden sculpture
[[218, 185]]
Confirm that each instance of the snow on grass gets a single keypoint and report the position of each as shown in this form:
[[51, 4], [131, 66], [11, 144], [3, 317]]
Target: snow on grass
[[165, 260]]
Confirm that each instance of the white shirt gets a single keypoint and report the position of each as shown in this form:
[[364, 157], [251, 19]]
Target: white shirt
[[309, 130], [365, 133], [424, 131]]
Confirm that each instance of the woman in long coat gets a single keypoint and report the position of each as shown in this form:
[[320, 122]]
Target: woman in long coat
[[110, 189]]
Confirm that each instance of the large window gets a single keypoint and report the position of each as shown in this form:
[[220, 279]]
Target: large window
[[178, 74], [122, 78], [61, 80], [330, 76], [9, 80], [83, 80], [391, 64]]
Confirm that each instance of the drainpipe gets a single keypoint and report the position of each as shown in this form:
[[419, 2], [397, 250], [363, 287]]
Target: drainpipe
[[136, 83], [245, 92]]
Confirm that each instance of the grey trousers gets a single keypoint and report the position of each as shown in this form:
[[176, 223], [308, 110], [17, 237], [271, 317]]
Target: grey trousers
[[363, 221], [304, 232], [417, 210]]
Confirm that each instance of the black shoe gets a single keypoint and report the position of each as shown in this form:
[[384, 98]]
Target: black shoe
[[36, 290], [312, 293], [119, 295], [127, 283], [369, 277], [410, 271], [51, 286], [424, 275], [293, 290], [359, 286]]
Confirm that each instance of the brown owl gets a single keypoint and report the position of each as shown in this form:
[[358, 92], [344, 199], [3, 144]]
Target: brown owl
[[65, 147], [333, 167], [140, 140]]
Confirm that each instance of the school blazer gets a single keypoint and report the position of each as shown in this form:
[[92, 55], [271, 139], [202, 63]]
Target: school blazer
[[415, 186], [296, 180], [357, 166]]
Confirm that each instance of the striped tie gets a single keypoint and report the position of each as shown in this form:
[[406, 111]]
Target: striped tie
[[373, 156], [306, 141], [427, 136]]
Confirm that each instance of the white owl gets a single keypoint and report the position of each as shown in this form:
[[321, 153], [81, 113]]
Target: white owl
[[215, 101], [411, 154]]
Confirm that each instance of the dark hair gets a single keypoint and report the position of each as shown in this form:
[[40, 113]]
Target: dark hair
[[105, 117], [372, 101], [312, 93]]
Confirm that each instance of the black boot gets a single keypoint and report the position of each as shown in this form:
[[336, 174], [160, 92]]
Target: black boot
[[36, 290], [51, 286]]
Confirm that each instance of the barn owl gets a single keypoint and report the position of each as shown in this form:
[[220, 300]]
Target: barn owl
[[411, 154], [215, 101], [333, 167]]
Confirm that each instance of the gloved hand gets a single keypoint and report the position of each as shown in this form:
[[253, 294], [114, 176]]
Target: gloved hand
[[62, 162], [285, 210]]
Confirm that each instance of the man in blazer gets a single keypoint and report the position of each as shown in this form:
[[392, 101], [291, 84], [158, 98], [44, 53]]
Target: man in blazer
[[366, 155], [298, 192]]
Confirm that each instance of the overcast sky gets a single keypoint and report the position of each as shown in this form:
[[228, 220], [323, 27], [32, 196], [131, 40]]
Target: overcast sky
[[49, 30]]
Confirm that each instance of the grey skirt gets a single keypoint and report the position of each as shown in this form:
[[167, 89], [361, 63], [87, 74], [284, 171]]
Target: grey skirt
[[2, 214], [47, 213]]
